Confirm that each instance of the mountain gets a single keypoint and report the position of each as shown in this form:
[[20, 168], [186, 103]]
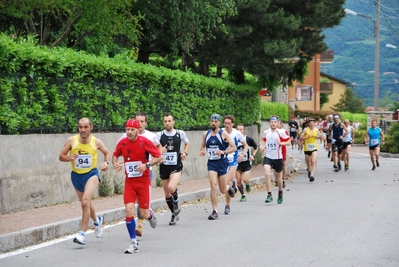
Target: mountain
[[353, 43]]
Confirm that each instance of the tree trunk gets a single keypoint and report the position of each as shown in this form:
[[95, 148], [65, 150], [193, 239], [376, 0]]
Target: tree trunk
[[238, 75], [203, 67], [144, 51]]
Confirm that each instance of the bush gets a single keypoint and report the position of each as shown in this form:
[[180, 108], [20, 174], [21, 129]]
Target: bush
[[352, 117], [269, 109], [359, 136], [392, 140]]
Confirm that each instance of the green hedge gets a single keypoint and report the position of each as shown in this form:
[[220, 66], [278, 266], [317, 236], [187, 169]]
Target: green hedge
[[269, 109], [43, 90]]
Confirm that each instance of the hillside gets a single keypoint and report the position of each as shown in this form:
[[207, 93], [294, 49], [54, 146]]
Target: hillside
[[353, 43]]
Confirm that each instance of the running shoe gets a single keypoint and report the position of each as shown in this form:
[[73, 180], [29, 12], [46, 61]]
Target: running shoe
[[248, 187], [339, 166], [176, 208], [269, 199], [335, 168], [98, 231], [329, 153], [234, 185], [346, 168], [80, 239], [231, 192], [311, 179], [133, 248], [139, 230], [378, 164], [284, 183], [227, 210], [174, 219], [153, 221], [243, 198], [373, 168], [280, 199], [213, 216]]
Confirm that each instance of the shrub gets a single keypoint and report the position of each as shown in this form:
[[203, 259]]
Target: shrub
[[269, 109]]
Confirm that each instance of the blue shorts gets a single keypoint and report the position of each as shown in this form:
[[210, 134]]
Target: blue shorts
[[233, 163], [220, 166], [79, 180]]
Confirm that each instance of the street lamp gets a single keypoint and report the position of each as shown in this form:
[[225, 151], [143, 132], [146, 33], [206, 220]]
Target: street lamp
[[377, 48], [391, 46]]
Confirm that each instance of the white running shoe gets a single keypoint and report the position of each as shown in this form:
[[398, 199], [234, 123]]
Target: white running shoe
[[98, 231], [80, 239], [133, 248], [153, 221]]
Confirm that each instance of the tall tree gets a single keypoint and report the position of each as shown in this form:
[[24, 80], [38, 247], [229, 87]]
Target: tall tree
[[274, 39], [69, 21], [349, 102]]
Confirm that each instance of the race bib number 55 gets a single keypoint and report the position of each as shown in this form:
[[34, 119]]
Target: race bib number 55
[[131, 169]]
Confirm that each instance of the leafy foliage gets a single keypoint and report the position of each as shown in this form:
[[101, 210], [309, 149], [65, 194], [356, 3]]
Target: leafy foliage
[[269, 109], [49, 90], [350, 102]]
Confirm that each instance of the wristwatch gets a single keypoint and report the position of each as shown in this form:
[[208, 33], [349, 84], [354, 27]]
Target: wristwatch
[[148, 164]]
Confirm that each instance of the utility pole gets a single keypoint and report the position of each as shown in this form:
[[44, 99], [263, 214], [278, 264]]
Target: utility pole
[[377, 56]]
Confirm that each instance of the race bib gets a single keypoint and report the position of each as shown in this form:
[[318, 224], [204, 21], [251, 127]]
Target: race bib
[[131, 169], [83, 162], [374, 142], [212, 153], [170, 158], [271, 146], [311, 147], [293, 129]]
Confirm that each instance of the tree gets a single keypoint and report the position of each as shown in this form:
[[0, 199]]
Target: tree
[[349, 102], [273, 39], [324, 98], [67, 22]]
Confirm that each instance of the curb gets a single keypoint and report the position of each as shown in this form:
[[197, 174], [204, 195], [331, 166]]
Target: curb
[[35, 235]]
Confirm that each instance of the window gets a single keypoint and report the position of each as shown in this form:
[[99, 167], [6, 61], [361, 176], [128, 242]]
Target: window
[[303, 92]]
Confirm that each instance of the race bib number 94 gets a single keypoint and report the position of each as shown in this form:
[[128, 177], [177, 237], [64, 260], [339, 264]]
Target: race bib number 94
[[83, 162]]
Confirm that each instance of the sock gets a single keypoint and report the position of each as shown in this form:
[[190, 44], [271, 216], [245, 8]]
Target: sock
[[83, 233], [241, 189], [269, 193], [97, 222], [175, 195], [280, 192], [169, 201], [151, 214], [131, 227]]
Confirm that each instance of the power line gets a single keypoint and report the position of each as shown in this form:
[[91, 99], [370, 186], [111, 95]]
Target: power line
[[389, 7]]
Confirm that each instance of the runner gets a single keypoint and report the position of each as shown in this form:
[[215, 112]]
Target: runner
[[234, 158], [336, 134], [244, 167], [217, 144], [171, 168], [348, 140], [143, 120], [310, 136], [293, 125], [274, 139], [373, 138], [135, 151], [83, 150]]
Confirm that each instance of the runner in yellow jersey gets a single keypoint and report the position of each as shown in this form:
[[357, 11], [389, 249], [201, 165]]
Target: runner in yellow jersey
[[82, 149], [310, 135]]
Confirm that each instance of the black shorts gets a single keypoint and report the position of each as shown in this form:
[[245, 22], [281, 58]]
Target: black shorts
[[346, 144], [276, 164], [373, 147], [337, 147], [328, 140], [293, 134], [166, 170], [244, 166], [309, 153]]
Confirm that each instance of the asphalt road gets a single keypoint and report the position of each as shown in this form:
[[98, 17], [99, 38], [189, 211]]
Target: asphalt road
[[342, 219]]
